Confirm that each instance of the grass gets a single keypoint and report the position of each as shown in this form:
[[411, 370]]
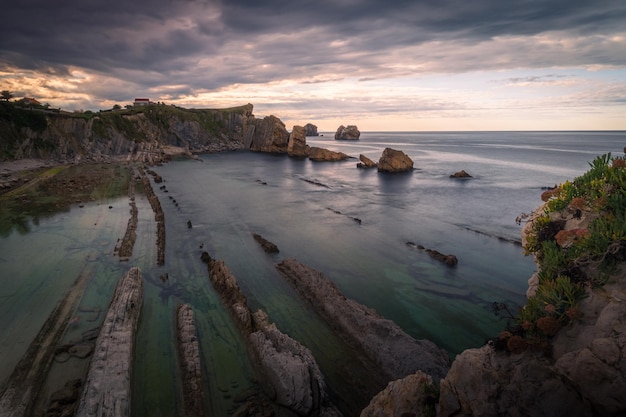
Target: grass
[[571, 261]]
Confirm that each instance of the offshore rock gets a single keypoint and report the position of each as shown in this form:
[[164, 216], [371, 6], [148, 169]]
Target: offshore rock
[[311, 129], [324, 155], [292, 377], [350, 132], [460, 174], [396, 353], [366, 162], [297, 146], [414, 395], [267, 246], [189, 356], [108, 384], [393, 160]]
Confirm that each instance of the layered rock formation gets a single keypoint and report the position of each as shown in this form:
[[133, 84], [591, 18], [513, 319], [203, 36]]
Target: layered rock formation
[[350, 132], [108, 385], [297, 146], [148, 134], [393, 160], [395, 352], [189, 357], [292, 378]]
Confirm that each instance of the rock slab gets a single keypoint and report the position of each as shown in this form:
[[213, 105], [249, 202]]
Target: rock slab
[[107, 388], [189, 357], [395, 352]]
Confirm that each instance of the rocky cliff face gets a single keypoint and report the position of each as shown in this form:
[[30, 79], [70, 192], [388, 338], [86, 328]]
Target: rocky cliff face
[[147, 134]]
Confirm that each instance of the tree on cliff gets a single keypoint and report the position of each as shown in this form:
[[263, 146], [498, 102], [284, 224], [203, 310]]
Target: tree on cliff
[[6, 95]]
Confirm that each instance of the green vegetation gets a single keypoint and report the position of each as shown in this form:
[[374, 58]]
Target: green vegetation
[[572, 260]]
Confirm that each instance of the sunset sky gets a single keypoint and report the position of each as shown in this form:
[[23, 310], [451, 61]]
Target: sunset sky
[[392, 65]]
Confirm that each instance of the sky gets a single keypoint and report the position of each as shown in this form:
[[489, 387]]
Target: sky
[[389, 65]]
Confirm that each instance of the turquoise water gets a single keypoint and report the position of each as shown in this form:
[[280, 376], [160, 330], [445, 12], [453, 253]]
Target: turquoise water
[[229, 196]]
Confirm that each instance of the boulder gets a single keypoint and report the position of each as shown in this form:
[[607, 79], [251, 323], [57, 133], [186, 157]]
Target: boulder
[[324, 155], [366, 162], [414, 395], [297, 146], [394, 161], [461, 174], [349, 132], [311, 129]]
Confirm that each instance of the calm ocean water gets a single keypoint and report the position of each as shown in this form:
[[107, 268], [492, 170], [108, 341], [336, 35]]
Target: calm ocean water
[[307, 209]]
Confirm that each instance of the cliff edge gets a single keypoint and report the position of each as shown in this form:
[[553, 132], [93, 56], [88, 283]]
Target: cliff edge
[[564, 354]]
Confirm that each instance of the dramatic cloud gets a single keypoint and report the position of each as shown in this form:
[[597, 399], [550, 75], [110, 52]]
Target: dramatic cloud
[[429, 61]]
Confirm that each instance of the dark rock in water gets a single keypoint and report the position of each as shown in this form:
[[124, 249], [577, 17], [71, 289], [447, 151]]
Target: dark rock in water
[[366, 162], [350, 132], [63, 401], [205, 257], [393, 160], [446, 259], [461, 174], [396, 353], [165, 277], [324, 155], [191, 370], [189, 224], [267, 246], [291, 375]]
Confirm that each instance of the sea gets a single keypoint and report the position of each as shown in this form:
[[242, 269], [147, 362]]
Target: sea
[[361, 228]]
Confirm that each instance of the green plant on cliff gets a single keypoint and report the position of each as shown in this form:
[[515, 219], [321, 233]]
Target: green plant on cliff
[[572, 260]]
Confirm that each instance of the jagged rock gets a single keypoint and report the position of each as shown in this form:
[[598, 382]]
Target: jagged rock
[[461, 174], [366, 162], [324, 155], [393, 160], [191, 370], [414, 395], [297, 146], [108, 384], [350, 132], [267, 246], [311, 129], [292, 377], [266, 135], [395, 352]]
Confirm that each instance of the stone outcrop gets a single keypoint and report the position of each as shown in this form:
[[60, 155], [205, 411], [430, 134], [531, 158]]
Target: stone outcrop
[[267, 246], [266, 135], [189, 362], [311, 129], [291, 376], [297, 146], [450, 260], [415, 395], [350, 132], [460, 174], [108, 385], [366, 162], [396, 353], [393, 160], [159, 217], [324, 155], [150, 134]]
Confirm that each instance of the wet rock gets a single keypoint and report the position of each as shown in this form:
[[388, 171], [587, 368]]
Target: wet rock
[[461, 174], [366, 162], [324, 155], [267, 246], [395, 352], [108, 386], [191, 370], [189, 226], [350, 132], [393, 160]]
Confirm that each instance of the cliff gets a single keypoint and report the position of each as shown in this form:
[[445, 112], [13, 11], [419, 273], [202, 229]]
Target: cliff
[[564, 354], [146, 133]]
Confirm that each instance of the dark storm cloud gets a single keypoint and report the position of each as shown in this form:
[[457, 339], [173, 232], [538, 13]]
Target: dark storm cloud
[[209, 44]]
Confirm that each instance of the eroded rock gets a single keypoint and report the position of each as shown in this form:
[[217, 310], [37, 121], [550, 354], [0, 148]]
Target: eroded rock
[[297, 146], [366, 162], [393, 160], [324, 155], [350, 132]]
